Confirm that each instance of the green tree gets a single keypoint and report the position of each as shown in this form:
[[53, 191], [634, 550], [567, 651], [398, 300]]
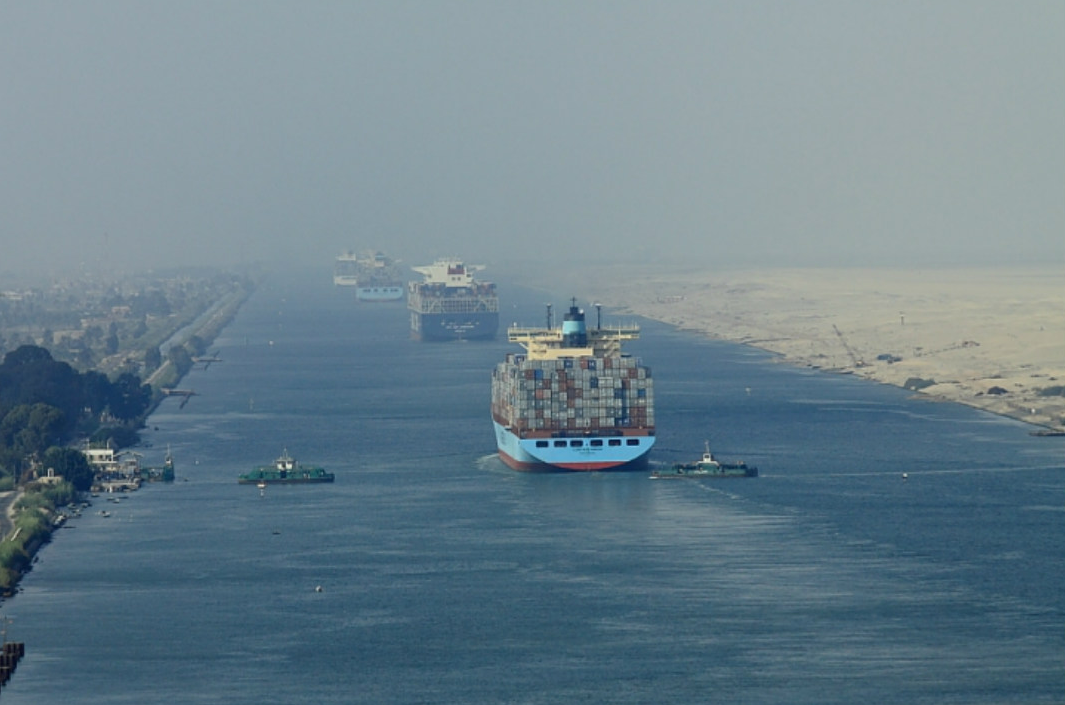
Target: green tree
[[96, 390], [129, 398], [29, 375], [71, 465], [26, 355], [180, 358], [10, 462], [29, 429], [152, 358], [13, 560], [115, 436]]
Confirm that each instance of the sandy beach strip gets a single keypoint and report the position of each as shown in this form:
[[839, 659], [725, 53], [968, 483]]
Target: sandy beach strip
[[989, 338]]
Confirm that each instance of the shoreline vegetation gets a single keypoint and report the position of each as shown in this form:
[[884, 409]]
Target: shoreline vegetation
[[32, 506], [989, 338]]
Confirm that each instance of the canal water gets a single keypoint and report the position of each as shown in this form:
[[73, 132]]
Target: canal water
[[431, 573]]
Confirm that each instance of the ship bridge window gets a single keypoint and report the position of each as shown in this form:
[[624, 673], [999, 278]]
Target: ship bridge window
[[632, 441], [576, 444], [541, 444], [560, 444], [614, 442], [598, 442]]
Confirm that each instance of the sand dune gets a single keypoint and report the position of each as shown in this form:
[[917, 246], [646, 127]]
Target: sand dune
[[989, 338]]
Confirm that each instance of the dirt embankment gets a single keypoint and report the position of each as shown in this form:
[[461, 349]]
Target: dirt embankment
[[989, 338]]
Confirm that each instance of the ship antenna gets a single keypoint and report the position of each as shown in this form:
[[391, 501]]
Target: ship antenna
[[549, 316], [598, 315]]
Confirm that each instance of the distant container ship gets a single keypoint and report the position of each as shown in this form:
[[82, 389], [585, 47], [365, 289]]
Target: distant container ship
[[374, 275], [573, 401], [449, 304]]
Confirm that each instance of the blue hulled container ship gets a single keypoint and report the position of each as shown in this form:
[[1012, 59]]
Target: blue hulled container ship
[[449, 304], [374, 275], [573, 400]]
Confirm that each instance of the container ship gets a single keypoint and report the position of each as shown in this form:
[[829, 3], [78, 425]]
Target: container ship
[[374, 275], [573, 400], [450, 304]]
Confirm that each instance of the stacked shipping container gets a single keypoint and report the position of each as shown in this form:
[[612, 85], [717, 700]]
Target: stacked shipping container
[[573, 396], [479, 297]]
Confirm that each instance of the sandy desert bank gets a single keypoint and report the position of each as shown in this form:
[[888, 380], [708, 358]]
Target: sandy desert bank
[[989, 338]]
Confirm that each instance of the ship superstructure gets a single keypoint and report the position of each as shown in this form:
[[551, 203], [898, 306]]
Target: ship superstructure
[[285, 470], [374, 275], [345, 269], [449, 304], [573, 400]]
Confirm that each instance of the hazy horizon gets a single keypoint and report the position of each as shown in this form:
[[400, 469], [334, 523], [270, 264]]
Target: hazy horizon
[[717, 134]]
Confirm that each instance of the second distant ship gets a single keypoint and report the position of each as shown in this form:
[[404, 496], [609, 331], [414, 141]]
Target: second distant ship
[[449, 304], [374, 275]]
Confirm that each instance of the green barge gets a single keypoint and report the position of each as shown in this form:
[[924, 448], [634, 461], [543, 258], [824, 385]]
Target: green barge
[[708, 466], [285, 470]]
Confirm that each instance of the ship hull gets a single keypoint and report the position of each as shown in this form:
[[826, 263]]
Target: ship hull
[[292, 477], [375, 294], [285, 481], [723, 471], [454, 326], [592, 453]]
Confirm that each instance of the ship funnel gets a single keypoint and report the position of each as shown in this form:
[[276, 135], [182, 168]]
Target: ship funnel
[[574, 332]]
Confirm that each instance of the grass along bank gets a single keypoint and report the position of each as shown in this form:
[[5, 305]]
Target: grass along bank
[[31, 511], [29, 517]]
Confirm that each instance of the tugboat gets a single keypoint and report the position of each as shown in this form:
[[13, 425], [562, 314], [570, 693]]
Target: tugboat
[[708, 466], [285, 470]]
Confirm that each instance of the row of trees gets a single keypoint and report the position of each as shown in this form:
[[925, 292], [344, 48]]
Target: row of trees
[[44, 403]]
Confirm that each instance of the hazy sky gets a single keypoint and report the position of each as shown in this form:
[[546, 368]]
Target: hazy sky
[[713, 133]]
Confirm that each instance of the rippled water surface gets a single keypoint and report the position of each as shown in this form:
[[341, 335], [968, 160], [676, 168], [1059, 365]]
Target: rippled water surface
[[446, 577]]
